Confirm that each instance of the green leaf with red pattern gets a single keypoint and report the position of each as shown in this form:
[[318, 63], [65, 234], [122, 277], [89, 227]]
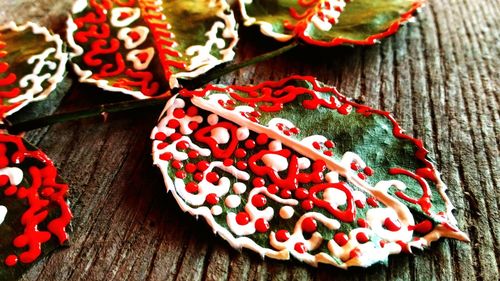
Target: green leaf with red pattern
[[295, 168], [142, 47], [34, 212], [32, 66], [329, 22]]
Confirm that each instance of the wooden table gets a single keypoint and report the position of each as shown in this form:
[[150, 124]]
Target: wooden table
[[439, 76]]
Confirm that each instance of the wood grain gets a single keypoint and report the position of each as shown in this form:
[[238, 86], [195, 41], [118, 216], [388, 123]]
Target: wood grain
[[438, 75]]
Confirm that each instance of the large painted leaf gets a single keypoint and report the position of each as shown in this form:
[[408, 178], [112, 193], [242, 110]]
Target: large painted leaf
[[294, 168], [141, 47], [328, 22], [34, 213], [32, 65]]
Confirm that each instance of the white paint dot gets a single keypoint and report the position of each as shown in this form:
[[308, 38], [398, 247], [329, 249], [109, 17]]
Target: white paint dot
[[216, 210], [233, 201], [242, 133], [239, 187], [212, 119], [286, 212]]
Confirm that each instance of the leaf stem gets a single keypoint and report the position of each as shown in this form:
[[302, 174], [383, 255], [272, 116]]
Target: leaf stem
[[36, 123], [216, 73]]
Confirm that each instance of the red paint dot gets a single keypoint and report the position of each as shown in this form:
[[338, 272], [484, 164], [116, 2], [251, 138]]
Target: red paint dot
[[300, 248], [190, 168], [228, 162], [172, 123], [341, 238], [307, 205], [198, 177], [372, 202], [328, 153], [11, 260], [180, 174], [11, 190], [362, 223], [160, 136], [282, 235], [329, 144], [359, 204], [161, 145], [192, 187], [273, 189], [175, 136], [182, 145], [166, 156], [179, 113], [212, 199], [240, 153], [423, 227], [261, 225], [212, 177], [192, 111], [392, 225], [193, 125], [361, 176], [354, 166], [177, 164], [202, 165], [285, 193], [262, 139], [242, 218], [354, 253], [193, 154], [301, 193], [362, 237], [295, 130], [258, 182], [249, 144], [368, 171], [259, 200], [309, 225], [316, 145], [241, 165]]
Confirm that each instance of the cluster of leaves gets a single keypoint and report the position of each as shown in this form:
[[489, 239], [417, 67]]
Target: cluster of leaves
[[146, 48]]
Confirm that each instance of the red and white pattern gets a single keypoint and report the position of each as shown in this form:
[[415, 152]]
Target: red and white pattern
[[250, 178]]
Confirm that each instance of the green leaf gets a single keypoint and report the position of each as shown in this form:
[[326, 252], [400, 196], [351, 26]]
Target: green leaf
[[329, 22], [32, 65], [295, 168], [34, 212], [142, 47]]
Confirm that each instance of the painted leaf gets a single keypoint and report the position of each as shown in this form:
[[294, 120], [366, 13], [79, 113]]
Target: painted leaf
[[295, 168], [32, 64], [34, 212], [329, 22], [141, 47]]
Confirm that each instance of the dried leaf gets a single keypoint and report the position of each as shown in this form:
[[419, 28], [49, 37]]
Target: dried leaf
[[295, 168]]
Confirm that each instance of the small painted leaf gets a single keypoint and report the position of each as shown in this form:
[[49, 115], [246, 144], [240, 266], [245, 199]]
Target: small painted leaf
[[329, 22], [32, 64], [295, 168], [141, 47], [34, 212]]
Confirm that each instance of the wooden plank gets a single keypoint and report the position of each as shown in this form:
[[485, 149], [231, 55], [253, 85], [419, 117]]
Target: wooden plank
[[438, 75]]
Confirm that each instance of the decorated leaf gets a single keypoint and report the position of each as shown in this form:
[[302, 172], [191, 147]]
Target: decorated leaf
[[293, 168], [32, 64], [328, 22], [34, 213], [141, 47]]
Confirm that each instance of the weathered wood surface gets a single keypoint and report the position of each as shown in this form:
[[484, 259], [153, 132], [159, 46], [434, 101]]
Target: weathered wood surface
[[439, 76]]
